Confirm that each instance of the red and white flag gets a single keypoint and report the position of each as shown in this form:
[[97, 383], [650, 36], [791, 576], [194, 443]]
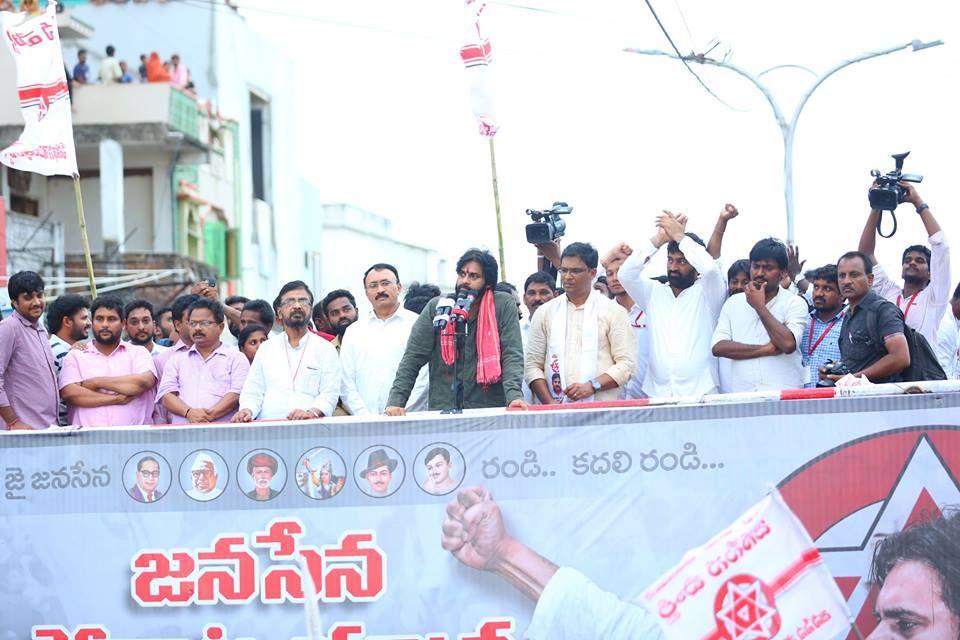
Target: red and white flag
[[476, 54], [46, 144], [760, 579]]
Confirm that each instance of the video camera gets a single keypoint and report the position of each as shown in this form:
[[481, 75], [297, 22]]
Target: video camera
[[547, 226], [888, 194]]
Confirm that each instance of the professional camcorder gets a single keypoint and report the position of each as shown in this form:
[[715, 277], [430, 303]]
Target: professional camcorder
[[547, 226], [888, 194]]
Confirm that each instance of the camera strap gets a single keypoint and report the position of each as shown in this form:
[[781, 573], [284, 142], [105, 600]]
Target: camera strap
[[892, 231]]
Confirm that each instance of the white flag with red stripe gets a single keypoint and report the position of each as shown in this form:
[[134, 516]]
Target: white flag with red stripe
[[477, 54], [46, 144], [760, 579]]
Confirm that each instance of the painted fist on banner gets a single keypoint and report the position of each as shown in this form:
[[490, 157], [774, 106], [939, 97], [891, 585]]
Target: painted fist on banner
[[473, 529]]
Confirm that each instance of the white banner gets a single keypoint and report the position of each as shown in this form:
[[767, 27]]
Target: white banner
[[760, 578], [46, 144]]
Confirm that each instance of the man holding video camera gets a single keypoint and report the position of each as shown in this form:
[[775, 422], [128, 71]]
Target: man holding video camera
[[925, 271]]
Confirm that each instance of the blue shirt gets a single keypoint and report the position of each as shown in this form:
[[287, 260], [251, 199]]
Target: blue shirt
[[827, 349]]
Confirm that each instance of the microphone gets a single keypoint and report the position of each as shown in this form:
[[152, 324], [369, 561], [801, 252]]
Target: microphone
[[442, 317], [466, 299]]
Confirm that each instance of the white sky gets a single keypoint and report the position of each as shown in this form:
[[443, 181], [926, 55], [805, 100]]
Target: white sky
[[387, 125]]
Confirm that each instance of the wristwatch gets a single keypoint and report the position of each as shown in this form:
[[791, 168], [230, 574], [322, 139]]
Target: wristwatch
[[922, 207], [596, 385]]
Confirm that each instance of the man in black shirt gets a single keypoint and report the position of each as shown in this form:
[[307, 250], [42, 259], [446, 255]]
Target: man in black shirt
[[872, 342]]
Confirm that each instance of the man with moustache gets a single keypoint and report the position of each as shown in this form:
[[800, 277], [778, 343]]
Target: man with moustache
[[583, 336], [28, 377], [873, 347], [339, 308], [439, 481], [147, 479], [110, 383], [683, 311], [492, 364], [140, 327], [379, 473], [296, 374], [203, 384], [760, 330], [538, 289], [180, 310], [638, 318], [262, 467], [373, 347], [925, 293], [68, 321], [821, 342]]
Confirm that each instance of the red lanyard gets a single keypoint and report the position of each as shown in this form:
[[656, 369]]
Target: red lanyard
[[813, 347], [906, 311]]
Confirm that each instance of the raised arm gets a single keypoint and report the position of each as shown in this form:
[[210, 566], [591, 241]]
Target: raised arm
[[716, 238]]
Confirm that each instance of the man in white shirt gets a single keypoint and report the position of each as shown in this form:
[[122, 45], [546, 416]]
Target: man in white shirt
[[948, 338], [568, 605], [296, 374], [581, 342], [110, 70], [638, 319], [926, 272], [538, 289], [372, 346], [760, 330], [683, 312]]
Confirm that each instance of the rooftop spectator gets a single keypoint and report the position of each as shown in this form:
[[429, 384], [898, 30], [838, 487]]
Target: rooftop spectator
[[110, 71], [155, 69], [81, 70], [142, 69], [179, 74], [125, 76]]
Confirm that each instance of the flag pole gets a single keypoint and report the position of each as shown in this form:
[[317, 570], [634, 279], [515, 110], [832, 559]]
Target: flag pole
[[496, 203], [83, 235]]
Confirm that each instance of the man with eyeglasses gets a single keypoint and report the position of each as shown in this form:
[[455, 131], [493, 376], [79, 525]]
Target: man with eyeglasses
[[492, 364], [147, 479], [203, 384], [373, 346], [296, 374], [109, 383], [582, 336]]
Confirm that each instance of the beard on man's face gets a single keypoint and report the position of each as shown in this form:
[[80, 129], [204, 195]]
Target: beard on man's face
[[680, 281]]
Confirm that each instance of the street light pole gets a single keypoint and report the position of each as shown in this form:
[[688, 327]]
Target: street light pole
[[787, 128]]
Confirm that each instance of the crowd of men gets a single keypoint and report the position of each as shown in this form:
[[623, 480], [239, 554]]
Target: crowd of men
[[762, 324]]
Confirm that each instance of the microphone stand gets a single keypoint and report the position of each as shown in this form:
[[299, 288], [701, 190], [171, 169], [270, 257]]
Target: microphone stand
[[459, 340]]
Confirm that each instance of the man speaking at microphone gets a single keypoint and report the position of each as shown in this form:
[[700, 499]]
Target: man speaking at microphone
[[492, 364]]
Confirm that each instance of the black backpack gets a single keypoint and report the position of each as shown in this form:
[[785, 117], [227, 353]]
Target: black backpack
[[923, 360]]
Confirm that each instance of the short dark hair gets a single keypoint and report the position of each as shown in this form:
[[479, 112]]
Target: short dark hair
[[918, 248], [146, 459], [740, 266], [24, 282], [138, 304], [437, 451], [584, 251], [505, 287], [601, 279], [249, 330], [81, 51], [181, 304], [263, 309], [849, 255], [292, 286], [827, 272], [65, 306], [161, 311], [674, 247], [110, 50], [419, 295], [935, 543], [379, 267], [488, 264], [770, 249], [112, 303], [956, 292], [333, 295], [210, 305], [232, 300], [539, 277]]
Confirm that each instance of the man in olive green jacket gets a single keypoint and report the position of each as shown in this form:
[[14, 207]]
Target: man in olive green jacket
[[476, 270]]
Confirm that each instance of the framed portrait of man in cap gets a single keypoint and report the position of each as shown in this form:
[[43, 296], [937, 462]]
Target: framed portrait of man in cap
[[379, 471]]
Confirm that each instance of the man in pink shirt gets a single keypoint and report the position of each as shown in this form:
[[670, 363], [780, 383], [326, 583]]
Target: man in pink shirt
[[203, 384], [109, 383], [28, 379], [178, 316]]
